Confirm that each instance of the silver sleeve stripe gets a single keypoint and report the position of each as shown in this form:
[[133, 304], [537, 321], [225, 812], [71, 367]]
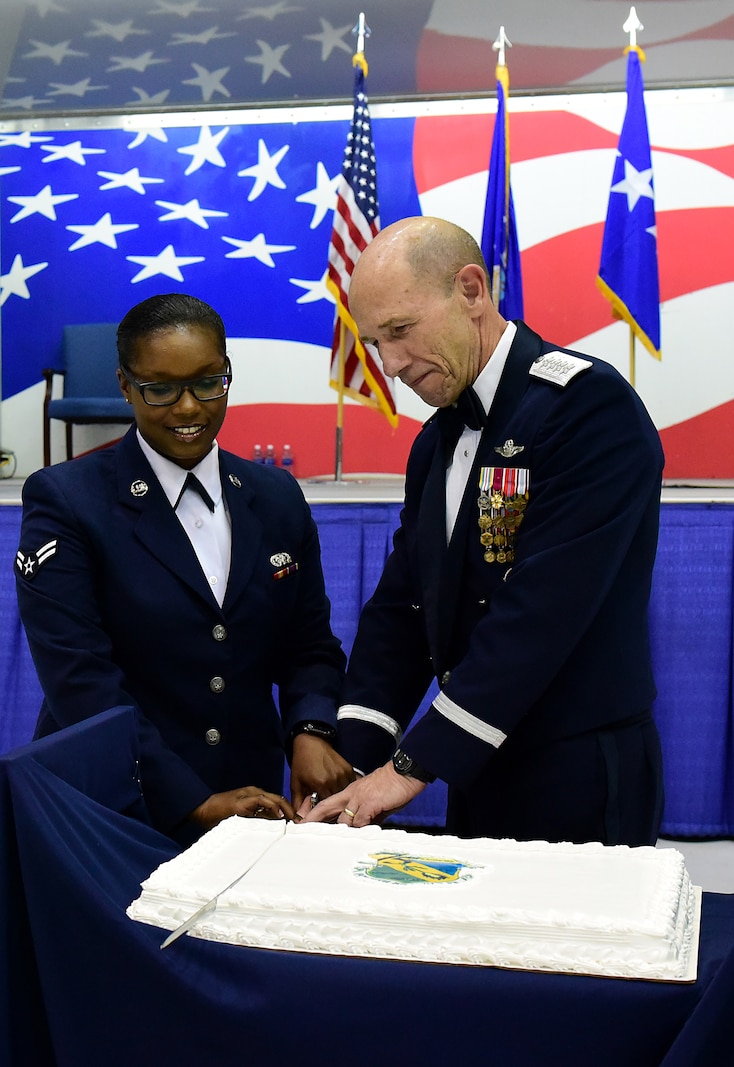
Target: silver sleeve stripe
[[46, 550], [470, 723], [376, 718]]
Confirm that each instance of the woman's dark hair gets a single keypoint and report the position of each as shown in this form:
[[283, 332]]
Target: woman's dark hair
[[166, 312]]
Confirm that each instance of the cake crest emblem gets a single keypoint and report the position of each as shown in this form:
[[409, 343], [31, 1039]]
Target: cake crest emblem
[[403, 868]]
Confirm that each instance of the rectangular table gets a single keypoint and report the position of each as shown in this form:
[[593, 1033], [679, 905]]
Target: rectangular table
[[81, 984]]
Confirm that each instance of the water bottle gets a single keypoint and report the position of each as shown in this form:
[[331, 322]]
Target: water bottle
[[257, 454], [286, 460], [270, 454]]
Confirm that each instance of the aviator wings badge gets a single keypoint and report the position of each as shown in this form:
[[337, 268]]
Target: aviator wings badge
[[509, 448]]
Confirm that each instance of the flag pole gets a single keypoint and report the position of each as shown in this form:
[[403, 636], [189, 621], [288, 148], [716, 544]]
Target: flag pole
[[354, 371], [361, 29], [631, 26], [499, 46], [340, 405]]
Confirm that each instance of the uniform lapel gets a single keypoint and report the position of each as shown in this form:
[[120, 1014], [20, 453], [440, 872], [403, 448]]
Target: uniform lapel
[[526, 347], [431, 541], [153, 518], [247, 529]]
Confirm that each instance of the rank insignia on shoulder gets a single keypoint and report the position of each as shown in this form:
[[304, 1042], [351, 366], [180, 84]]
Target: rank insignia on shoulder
[[29, 564], [559, 367]]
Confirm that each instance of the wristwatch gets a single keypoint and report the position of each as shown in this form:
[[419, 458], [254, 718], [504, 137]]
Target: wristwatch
[[406, 765], [315, 729]]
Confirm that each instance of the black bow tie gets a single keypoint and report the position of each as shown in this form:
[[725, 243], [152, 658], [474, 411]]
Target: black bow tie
[[467, 411], [192, 482]]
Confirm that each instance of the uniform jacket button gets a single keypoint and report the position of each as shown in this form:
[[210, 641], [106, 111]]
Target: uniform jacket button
[[445, 677], [216, 684], [219, 632], [213, 736]]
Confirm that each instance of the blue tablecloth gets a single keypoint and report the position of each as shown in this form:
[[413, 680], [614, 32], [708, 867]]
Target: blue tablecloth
[[691, 619], [82, 985]]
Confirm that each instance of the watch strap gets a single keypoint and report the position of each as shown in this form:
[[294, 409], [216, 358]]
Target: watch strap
[[406, 766], [315, 729]]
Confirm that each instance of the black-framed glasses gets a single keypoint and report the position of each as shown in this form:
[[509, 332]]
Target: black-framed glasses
[[164, 394]]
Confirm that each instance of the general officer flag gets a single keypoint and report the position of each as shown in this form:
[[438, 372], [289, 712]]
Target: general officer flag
[[628, 271]]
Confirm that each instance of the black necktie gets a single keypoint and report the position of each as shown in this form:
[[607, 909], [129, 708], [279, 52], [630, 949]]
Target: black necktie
[[192, 482], [467, 411]]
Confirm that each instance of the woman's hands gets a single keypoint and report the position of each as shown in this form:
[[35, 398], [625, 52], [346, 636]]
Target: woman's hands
[[250, 802]]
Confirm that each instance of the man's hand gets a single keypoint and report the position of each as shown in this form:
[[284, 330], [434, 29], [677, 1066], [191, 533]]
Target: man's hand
[[318, 768], [369, 799], [249, 801]]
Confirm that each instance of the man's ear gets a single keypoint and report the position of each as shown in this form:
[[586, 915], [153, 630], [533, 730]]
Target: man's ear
[[474, 289]]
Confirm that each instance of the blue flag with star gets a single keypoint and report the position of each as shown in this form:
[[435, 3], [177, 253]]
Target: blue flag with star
[[628, 271], [499, 234]]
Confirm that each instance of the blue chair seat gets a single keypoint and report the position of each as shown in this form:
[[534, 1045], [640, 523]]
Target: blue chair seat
[[91, 391]]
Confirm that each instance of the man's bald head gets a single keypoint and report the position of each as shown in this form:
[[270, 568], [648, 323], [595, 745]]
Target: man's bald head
[[434, 249], [420, 294]]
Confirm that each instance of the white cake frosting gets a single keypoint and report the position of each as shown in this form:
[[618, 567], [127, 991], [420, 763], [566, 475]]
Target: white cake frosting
[[588, 909]]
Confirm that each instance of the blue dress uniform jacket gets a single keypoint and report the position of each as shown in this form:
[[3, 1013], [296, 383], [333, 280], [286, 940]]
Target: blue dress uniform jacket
[[542, 725], [118, 611]]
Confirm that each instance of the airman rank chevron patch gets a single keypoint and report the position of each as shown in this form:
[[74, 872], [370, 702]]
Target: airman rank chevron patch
[[29, 564]]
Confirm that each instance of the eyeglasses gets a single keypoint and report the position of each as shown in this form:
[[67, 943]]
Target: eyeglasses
[[164, 394]]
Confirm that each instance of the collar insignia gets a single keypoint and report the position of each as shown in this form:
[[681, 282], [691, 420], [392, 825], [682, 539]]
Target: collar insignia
[[235, 481], [139, 487]]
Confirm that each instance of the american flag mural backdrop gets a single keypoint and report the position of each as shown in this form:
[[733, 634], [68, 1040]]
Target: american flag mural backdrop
[[69, 54], [237, 207], [573, 43], [561, 168], [240, 215]]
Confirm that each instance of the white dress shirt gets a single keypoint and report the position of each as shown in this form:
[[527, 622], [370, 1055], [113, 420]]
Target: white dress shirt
[[210, 532], [458, 470]]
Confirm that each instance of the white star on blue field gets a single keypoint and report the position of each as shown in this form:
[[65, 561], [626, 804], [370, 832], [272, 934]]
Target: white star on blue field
[[97, 216], [101, 54], [240, 215]]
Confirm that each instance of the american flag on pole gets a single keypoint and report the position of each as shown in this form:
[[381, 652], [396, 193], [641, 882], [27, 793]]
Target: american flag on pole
[[628, 271], [499, 236], [355, 371]]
